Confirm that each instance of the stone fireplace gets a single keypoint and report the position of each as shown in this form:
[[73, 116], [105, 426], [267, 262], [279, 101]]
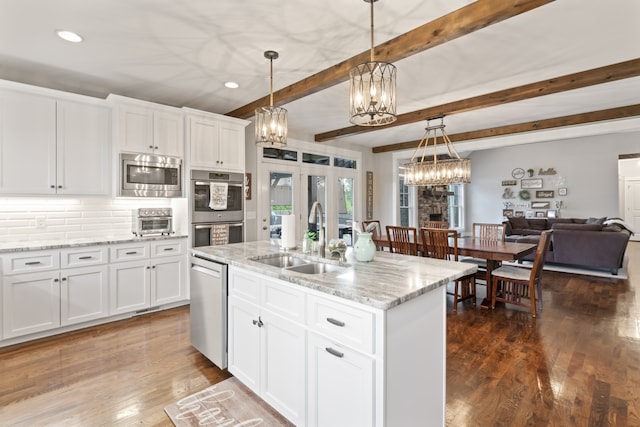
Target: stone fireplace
[[433, 204]]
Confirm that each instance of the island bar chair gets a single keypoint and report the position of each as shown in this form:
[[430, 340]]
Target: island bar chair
[[437, 244], [402, 240], [373, 227], [488, 233], [516, 283]]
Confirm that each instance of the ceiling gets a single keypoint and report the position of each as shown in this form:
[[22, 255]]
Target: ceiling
[[181, 52]]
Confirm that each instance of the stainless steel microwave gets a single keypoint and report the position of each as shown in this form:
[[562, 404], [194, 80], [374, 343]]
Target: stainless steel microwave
[[148, 175]]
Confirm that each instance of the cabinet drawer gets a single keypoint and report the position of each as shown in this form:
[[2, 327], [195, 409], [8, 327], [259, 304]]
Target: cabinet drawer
[[345, 324], [167, 248], [81, 257], [129, 252], [283, 300], [30, 262], [244, 285]]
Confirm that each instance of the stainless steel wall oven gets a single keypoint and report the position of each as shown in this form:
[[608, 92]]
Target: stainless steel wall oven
[[217, 207]]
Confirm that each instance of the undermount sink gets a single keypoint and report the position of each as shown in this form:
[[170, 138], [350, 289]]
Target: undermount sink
[[283, 261], [316, 268]]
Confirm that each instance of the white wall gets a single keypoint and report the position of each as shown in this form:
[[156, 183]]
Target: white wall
[[589, 166]]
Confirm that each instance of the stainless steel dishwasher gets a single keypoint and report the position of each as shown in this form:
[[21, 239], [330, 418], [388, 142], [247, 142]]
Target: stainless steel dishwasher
[[208, 316]]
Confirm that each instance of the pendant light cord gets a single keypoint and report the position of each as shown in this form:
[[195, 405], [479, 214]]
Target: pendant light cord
[[372, 1], [270, 82]]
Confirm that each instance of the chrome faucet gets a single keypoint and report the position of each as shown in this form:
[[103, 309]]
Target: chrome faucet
[[316, 211]]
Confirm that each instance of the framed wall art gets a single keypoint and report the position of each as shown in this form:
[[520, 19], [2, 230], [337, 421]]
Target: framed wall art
[[531, 183], [539, 214], [507, 182], [507, 213], [551, 214], [544, 194], [562, 191], [540, 205], [528, 214]]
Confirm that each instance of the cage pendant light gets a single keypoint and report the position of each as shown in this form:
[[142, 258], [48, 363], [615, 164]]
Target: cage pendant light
[[271, 122], [372, 90], [454, 170]]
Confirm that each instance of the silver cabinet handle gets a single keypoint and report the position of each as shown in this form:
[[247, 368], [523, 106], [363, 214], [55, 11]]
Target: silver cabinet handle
[[131, 253], [335, 322], [85, 257], [336, 353], [168, 249], [32, 263]]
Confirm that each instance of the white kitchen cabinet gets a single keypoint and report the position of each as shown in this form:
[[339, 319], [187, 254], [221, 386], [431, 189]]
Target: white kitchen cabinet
[[146, 127], [214, 141], [340, 385], [84, 294], [266, 349], [53, 146], [139, 281]]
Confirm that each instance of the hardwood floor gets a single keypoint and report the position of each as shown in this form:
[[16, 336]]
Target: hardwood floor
[[576, 364]]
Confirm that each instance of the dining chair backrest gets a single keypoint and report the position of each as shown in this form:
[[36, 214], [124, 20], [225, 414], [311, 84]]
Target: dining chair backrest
[[541, 252], [440, 243], [402, 240], [437, 224], [488, 232]]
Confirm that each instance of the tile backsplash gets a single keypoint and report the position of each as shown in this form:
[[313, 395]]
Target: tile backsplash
[[53, 218]]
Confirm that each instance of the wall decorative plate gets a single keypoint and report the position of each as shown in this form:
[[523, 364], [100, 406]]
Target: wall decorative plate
[[517, 173], [524, 195]]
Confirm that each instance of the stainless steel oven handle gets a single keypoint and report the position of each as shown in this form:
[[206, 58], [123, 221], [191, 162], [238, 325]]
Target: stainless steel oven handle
[[212, 182]]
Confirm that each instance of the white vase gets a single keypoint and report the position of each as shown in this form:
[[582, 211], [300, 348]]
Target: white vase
[[364, 248]]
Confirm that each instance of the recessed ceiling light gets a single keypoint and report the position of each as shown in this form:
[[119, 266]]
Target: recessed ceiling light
[[231, 85], [69, 36]]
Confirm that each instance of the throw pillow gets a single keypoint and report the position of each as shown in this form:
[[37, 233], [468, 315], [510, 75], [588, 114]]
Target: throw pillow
[[537, 224], [592, 220], [518, 222]]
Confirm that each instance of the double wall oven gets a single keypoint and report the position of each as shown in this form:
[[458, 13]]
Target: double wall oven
[[217, 207]]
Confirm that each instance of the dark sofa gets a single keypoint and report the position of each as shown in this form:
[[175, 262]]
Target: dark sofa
[[579, 242]]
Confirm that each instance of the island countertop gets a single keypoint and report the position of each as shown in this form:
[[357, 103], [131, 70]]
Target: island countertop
[[387, 281]]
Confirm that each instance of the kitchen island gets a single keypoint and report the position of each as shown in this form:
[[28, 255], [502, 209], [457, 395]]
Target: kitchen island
[[348, 344]]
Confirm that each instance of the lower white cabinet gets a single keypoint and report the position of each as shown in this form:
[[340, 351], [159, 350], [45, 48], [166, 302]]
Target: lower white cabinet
[[267, 350], [148, 280], [30, 303], [84, 294]]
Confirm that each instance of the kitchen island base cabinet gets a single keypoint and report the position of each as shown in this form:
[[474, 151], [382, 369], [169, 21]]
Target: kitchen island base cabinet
[[352, 364]]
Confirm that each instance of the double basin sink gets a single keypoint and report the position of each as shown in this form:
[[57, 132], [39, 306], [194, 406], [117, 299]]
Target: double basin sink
[[299, 265]]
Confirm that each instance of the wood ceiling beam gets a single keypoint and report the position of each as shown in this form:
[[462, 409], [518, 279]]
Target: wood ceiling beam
[[609, 73], [458, 23], [536, 125]]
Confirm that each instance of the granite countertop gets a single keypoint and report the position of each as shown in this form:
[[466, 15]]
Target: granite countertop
[[387, 281], [36, 245]]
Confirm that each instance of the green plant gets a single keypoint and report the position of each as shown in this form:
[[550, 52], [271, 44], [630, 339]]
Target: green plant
[[310, 234]]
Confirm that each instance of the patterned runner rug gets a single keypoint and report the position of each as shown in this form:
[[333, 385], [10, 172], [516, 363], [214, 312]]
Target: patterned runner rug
[[228, 403]]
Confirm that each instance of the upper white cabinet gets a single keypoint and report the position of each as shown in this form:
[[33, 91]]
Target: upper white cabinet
[[215, 141], [53, 146], [146, 127]]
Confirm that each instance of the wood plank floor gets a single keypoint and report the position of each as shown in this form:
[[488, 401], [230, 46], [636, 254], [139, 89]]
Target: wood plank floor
[[576, 364]]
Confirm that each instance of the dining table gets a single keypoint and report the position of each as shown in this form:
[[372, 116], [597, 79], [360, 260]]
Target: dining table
[[493, 252]]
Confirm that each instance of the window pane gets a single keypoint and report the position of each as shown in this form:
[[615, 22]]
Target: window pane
[[345, 208], [281, 198], [277, 153], [344, 163], [316, 159]]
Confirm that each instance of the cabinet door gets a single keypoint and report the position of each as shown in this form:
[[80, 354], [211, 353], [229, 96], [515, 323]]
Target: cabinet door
[[83, 136], [168, 279], [30, 303], [135, 129], [84, 294], [282, 371], [168, 133], [204, 140], [244, 342], [231, 147], [27, 143], [129, 286], [340, 385]]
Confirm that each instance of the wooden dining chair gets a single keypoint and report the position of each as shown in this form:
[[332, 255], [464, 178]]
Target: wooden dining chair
[[486, 233], [437, 243], [402, 240], [518, 283], [437, 224], [373, 227]]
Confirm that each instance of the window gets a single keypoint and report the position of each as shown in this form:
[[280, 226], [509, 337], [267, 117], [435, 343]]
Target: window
[[316, 159], [404, 203], [456, 206], [344, 163], [277, 153]]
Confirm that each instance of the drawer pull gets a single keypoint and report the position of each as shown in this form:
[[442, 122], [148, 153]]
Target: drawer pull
[[86, 257], [131, 253], [335, 322], [167, 249], [32, 263], [336, 353]]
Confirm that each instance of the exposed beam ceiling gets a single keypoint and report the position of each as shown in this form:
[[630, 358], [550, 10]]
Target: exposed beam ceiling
[[582, 79], [458, 23], [571, 120]]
